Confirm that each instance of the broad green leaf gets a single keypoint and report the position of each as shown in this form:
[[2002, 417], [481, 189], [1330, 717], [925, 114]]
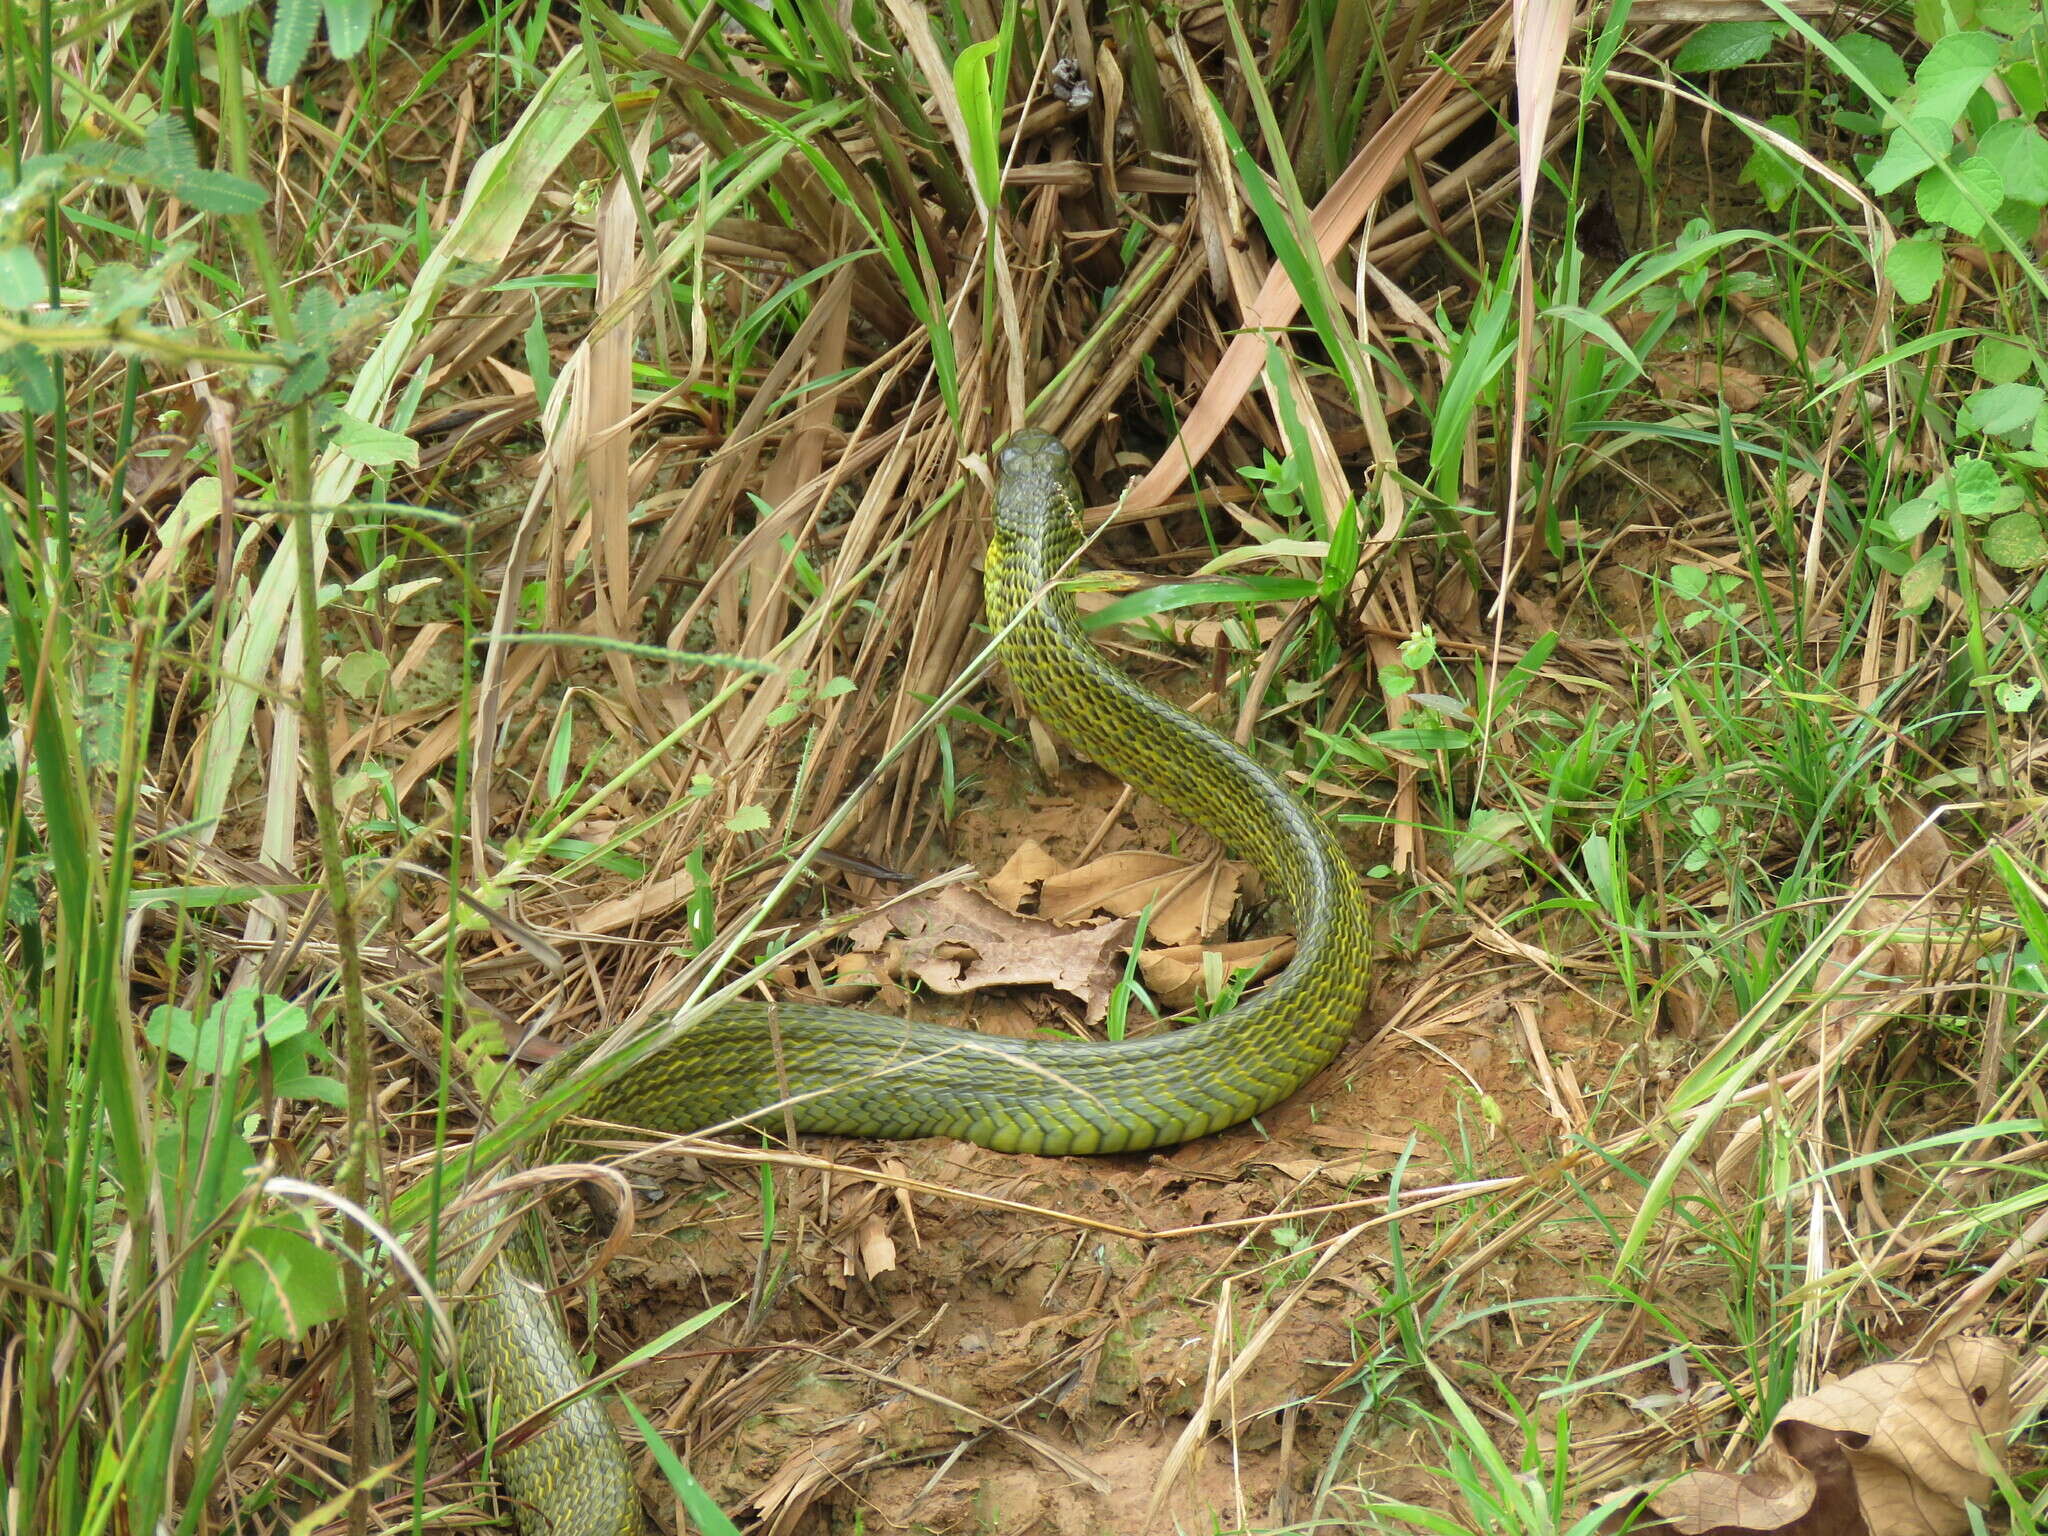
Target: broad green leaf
[[227, 1035], [359, 672], [1171, 595], [1422, 738], [1909, 151], [1877, 60], [1917, 588], [2015, 541], [1951, 73], [1914, 267], [1960, 196], [2003, 410], [1726, 45], [2012, 17], [202, 1170], [2029, 88], [373, 446], [1909, 519], [1774, 176], [2018, 697], [1597, 853], [1977, 489], [293, 1078], [288, 1283], [979, 111], [2001, 360], [2018, 152], [1492, 837]]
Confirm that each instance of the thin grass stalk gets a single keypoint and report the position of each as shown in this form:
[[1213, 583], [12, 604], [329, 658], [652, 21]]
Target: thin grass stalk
[[360, 1120]]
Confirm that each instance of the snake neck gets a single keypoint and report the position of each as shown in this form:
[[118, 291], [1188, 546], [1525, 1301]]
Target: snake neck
[[1157, 747]]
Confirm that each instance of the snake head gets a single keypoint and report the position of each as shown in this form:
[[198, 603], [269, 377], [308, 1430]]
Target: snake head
[[1035, 491]]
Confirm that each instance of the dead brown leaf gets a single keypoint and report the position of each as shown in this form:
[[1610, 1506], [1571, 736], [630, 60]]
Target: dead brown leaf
[[1891, 1450], [1016, 884], [874, 1247], [1701, 378], [956, 941], [1920, 940], [637, 905], [1189, 899], [1174, 976]]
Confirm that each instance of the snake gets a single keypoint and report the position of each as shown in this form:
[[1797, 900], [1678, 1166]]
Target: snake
[[845, 1072]]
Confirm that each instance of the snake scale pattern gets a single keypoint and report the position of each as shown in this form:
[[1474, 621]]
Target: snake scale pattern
[[862, 1074]]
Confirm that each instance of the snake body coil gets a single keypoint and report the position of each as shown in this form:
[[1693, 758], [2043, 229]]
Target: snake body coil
[[861, 1074]]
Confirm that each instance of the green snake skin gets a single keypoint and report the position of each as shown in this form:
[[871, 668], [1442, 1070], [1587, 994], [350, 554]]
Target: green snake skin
[[861, 1074]]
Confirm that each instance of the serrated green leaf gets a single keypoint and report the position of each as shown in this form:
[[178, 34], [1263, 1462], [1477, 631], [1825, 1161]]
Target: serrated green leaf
[[1960, 196], [2015, 541], [24, 371], [1726, 45], [1917, 588], [1913, 267], [748, 818], [293, 26], [1952, 72], [348, 26], [119, 290], [216, 192], [2003, 410], [314, 316], [1877, 60], [22, 283], [2019, 153], [1909, 151], [2019, 221], [2001, 360]]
